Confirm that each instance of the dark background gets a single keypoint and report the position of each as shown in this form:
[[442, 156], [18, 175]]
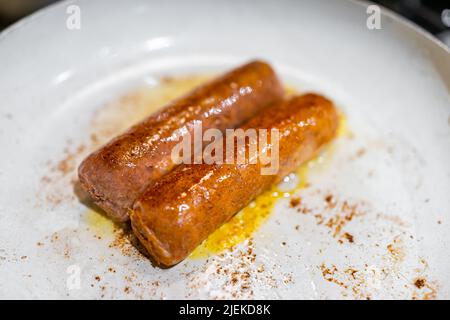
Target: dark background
[[429, 14]]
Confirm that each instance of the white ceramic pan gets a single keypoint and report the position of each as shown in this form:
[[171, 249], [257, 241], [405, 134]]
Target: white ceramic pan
[[372, 220]]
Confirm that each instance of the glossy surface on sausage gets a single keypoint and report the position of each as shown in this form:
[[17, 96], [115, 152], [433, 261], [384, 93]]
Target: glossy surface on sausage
[[116, 174], [180, 210]]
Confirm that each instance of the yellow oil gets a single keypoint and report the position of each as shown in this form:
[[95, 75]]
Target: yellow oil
[[98, 223]]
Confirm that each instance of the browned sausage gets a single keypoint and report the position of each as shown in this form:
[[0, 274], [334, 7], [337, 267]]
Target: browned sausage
[[179, 211], [116, 174]]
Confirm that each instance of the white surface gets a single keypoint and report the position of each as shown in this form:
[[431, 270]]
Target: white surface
[[391, 83]]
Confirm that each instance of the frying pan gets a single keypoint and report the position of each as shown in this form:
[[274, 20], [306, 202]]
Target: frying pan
[[388, 174]]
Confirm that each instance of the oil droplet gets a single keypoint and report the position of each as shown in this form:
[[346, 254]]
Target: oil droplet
[[290, 90], [343, 130], [98, 223]]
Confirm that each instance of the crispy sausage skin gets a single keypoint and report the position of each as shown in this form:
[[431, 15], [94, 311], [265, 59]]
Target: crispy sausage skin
[[116, 174], [179, 211]]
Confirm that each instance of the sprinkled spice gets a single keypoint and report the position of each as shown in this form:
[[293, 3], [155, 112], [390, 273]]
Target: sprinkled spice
[[349, 237], [295, 201], [420, 283]]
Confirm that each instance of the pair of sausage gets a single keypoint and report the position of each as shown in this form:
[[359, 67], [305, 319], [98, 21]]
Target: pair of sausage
[[174, 208], [177, 212], [118, 173]]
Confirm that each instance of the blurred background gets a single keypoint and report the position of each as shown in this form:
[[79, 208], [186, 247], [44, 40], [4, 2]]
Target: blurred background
[[433, 15]]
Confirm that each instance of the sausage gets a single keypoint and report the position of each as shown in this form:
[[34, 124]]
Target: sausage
[[116, 174], [176, 213]]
